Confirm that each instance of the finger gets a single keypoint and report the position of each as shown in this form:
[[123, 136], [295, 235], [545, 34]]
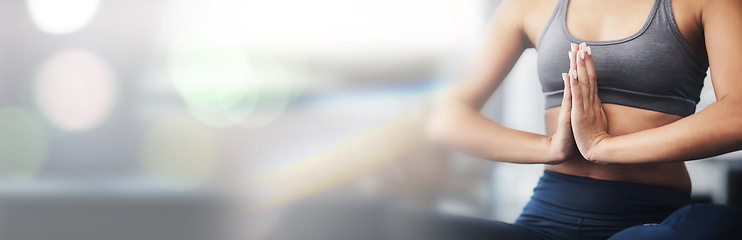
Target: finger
[[572, 65], [566, 114], [581, 54], [583, 77], [572, 52], [577, 105], [593, 78]]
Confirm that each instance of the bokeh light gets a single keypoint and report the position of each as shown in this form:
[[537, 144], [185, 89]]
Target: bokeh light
[[75, 89], [224, 84], [276, 86], [179, 153], [23, 144], [209, 69], [59, 17]]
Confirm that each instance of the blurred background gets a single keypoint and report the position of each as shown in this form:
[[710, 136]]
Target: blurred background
[[226, 119]]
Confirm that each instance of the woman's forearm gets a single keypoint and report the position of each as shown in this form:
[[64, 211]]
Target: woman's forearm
[[462, 127], [713, 131]]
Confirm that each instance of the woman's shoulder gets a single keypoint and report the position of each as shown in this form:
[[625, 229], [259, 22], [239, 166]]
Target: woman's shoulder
[[535, 17], [529, 16], [689, 18]]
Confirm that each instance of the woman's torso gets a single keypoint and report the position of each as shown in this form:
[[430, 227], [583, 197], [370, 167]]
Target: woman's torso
[[607, 20], [624, 120]]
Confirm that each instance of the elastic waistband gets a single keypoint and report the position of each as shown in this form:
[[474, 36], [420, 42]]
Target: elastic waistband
[[602, 199]]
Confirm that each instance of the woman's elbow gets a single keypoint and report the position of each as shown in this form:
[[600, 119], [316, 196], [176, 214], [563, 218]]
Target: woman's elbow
[[444, 124], [438, 127], [435, 129]]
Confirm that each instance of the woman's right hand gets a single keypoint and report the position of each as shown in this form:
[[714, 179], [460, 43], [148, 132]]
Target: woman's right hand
[[563, 142]]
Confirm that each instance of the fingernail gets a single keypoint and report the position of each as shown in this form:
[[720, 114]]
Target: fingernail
[[569, 54], [564, 77], [573, 74], [583, 45], [582, 53], [572, 46], [589, 52]]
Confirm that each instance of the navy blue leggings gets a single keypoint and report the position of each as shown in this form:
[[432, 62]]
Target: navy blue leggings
[[698, 221], [571, 207], [566, 207]]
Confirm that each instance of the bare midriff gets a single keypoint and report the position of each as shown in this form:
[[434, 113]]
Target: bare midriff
[[624, 120]]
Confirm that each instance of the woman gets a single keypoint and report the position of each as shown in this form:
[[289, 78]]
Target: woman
[[620, 116]]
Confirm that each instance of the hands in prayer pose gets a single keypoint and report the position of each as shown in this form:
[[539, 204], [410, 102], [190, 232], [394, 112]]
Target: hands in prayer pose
[[582, 121]]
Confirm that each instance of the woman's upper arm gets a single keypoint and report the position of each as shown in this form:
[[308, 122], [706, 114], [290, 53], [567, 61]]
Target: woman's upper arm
[[503, 43], [722, 27]]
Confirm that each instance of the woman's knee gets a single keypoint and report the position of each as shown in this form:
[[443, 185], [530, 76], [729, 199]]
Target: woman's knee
[[695, 221]]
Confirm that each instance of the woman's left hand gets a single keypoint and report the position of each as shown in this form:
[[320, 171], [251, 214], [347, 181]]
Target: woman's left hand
[[589, 123]]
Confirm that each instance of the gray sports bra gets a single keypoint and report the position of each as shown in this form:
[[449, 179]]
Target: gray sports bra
[[652, 69]]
